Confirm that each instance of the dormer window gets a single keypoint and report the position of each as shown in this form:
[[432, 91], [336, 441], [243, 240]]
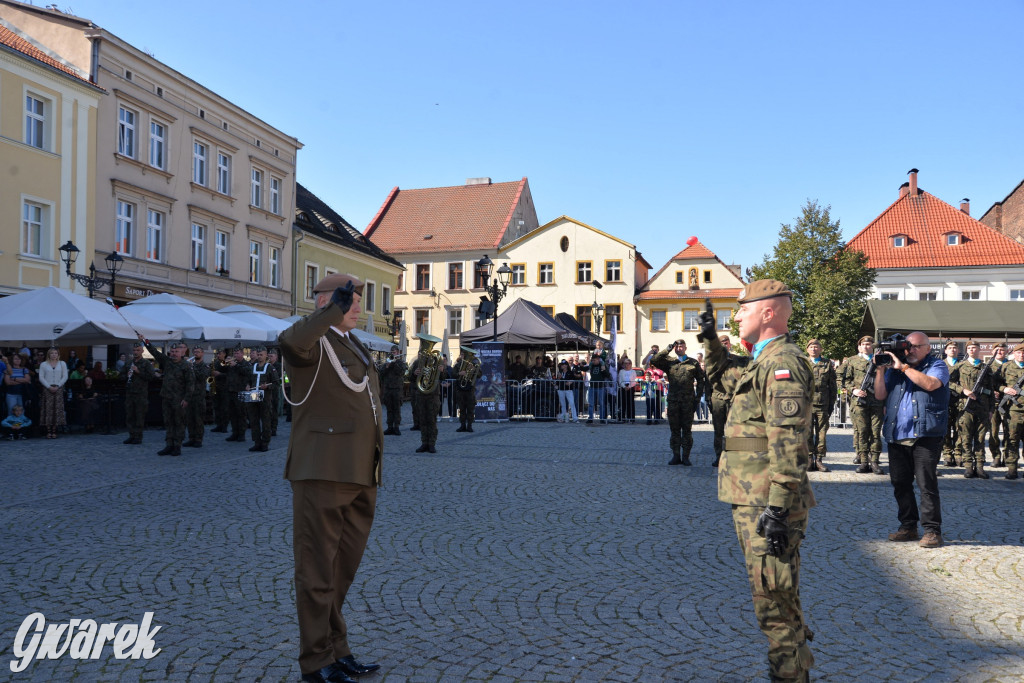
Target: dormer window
[[899, 241], [953, 239]]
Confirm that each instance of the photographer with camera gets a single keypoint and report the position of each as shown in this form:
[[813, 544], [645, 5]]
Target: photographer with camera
[[915, 388]]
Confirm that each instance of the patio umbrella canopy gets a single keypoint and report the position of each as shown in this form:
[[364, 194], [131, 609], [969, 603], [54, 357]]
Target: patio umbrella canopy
[[194, 321], [52, 315], [251, 316]]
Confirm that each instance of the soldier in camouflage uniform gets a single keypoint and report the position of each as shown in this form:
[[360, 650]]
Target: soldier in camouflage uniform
[[866, 411], [763, 472], [685, 387], [414, 395], [276, 397], [465, 396], [237, 378], [427, 406], [825, 390], [197, 401], [392, 380], [997, 422], [219, 391], [975, 409], [951, 443], [1009, 374], [175, 391], [722, 382], [136, 393], [261, 413]]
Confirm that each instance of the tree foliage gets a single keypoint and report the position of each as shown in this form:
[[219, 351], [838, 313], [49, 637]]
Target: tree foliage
[[830, 283]]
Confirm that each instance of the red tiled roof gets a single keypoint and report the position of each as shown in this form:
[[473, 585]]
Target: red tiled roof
[[16, 42], [724, 293], [696, 251], [926, 220], [457, 218]]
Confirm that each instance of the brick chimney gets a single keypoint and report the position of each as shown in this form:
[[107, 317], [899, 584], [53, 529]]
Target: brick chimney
[[913, 182], [965, 205], [478, 181], [904, 189]]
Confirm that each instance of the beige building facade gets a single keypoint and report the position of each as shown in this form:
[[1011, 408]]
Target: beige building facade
[[196, 194], [47, 142]]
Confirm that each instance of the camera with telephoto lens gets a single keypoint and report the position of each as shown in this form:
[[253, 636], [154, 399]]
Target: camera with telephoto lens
[[897, 344]]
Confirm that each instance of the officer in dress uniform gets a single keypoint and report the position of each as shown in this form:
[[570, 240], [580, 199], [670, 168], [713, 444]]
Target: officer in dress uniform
[[196, 418], [763, 472], [866, 411], [997, 422], [262, 378], [136, 393], [219, 391], [175, 391], [975, 408], [392, 379], [1009, 375], [685, 387], [239, 370], [824, 400], [465, 392], [951, 442]]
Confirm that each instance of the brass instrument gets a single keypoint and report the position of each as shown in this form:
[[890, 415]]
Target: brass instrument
[[430, 363], [470, 365]]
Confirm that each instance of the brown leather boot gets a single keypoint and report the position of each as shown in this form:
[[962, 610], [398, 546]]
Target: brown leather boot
[[821, 465], [1011, 471], [969, 472], [982, 474]]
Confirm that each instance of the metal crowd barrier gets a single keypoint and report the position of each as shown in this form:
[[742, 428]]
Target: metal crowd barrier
[[537, 399]]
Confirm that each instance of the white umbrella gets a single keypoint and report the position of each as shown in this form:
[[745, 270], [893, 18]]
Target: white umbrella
[[372, 341], [369, 324], [445, 346], [402, 342], [251, 316], [194, 321], [50, 314]]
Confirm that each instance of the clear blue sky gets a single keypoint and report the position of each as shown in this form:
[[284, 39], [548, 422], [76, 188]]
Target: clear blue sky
[[650, 121]]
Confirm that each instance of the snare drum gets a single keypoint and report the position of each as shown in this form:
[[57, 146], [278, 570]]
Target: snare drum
[[254, 396]]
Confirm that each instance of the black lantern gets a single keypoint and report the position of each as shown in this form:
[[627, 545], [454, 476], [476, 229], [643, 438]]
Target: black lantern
[[496, 288], [69, 254]]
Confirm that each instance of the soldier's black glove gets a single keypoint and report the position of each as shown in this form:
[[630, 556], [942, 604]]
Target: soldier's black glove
[[706, 322], [342, 296], [772, 525]]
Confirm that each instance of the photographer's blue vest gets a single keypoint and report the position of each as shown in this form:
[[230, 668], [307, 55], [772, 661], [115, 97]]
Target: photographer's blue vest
[[931, 408]]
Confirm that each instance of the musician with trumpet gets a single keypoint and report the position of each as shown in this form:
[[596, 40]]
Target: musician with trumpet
[[392, 380], [196, 412], [467, 370], [426, 373], [218, 380], [238, 374]]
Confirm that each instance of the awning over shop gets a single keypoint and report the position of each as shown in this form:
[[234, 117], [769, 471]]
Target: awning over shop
[[1003, 319]]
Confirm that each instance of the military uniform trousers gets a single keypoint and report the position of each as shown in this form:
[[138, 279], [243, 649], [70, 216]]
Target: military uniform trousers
[[819, 418], [466, 402], [951, 442], [867, 431], [719, 411], [174, 421], [261, 416], [238, 413], [680, 426], [974, 423], [222, 409], [415, 398], [994, 441], [196, 418], [1014, 436], [775, 588], [392, 400], [135, 408], [426, 409], [332, 522]]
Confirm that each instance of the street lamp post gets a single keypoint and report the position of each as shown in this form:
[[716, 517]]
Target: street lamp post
[[596, 309], [69, 254], [497, 288]]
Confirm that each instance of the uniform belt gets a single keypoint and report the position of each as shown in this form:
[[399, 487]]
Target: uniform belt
[[746, 443]]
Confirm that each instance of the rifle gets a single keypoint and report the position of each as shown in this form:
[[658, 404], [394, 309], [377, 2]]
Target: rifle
[[979, 383], [1007, 400], [868, 383]]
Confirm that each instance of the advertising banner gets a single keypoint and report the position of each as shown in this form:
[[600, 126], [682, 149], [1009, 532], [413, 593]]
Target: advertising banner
[[491, 401]]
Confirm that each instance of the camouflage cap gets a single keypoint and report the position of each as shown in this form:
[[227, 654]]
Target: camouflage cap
[[332, 282], [866, 338], [763, 289]]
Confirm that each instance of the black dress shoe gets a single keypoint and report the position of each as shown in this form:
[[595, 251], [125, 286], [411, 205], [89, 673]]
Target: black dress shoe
[[264, 448], [165, 451], [430, 449], [331, 673], [353, 668], [461, 429], [176, 451], [469, 428], [255, 447], [422, 449]]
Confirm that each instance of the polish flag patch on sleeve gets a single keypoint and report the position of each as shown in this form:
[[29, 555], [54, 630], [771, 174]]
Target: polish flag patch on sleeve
[[782, 374]]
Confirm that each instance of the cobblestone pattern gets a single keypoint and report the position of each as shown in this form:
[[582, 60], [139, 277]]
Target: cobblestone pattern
[[520, 552]]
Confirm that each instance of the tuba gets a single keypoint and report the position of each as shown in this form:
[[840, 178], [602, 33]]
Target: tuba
[[470, 366], [430, 361]]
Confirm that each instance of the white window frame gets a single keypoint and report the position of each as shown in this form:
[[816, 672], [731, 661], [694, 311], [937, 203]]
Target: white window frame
[[543, 269], [158, 145], [126, 121], [124, 227], [256, 188], [663, 314], [255, 262], [953, 239], [416, 314], [416, 276], [155, 222], [36, 218], [314, 270], [274, 263], [518, 274], [722, 318], [965, 295], [927, 295], [223, 173], [198, 251], [608, 270], [691, 320], [1015, 294], [889, 295], [385, 299], [899, 241], [221, 251], [455, 315], [275, 196], [37, 132], [369, 294], [200, 162]]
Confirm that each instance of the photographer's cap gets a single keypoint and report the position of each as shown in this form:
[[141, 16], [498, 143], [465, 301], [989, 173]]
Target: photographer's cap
[[763, 289]]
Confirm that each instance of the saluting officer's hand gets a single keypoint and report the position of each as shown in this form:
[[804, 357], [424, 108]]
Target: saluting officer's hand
[[343, 296]]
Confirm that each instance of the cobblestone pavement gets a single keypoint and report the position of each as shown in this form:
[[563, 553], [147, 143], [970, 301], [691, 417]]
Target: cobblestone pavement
[[532, 552]]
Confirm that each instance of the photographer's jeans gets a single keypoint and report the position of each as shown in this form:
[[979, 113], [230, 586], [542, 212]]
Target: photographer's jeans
[[908, 464]]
